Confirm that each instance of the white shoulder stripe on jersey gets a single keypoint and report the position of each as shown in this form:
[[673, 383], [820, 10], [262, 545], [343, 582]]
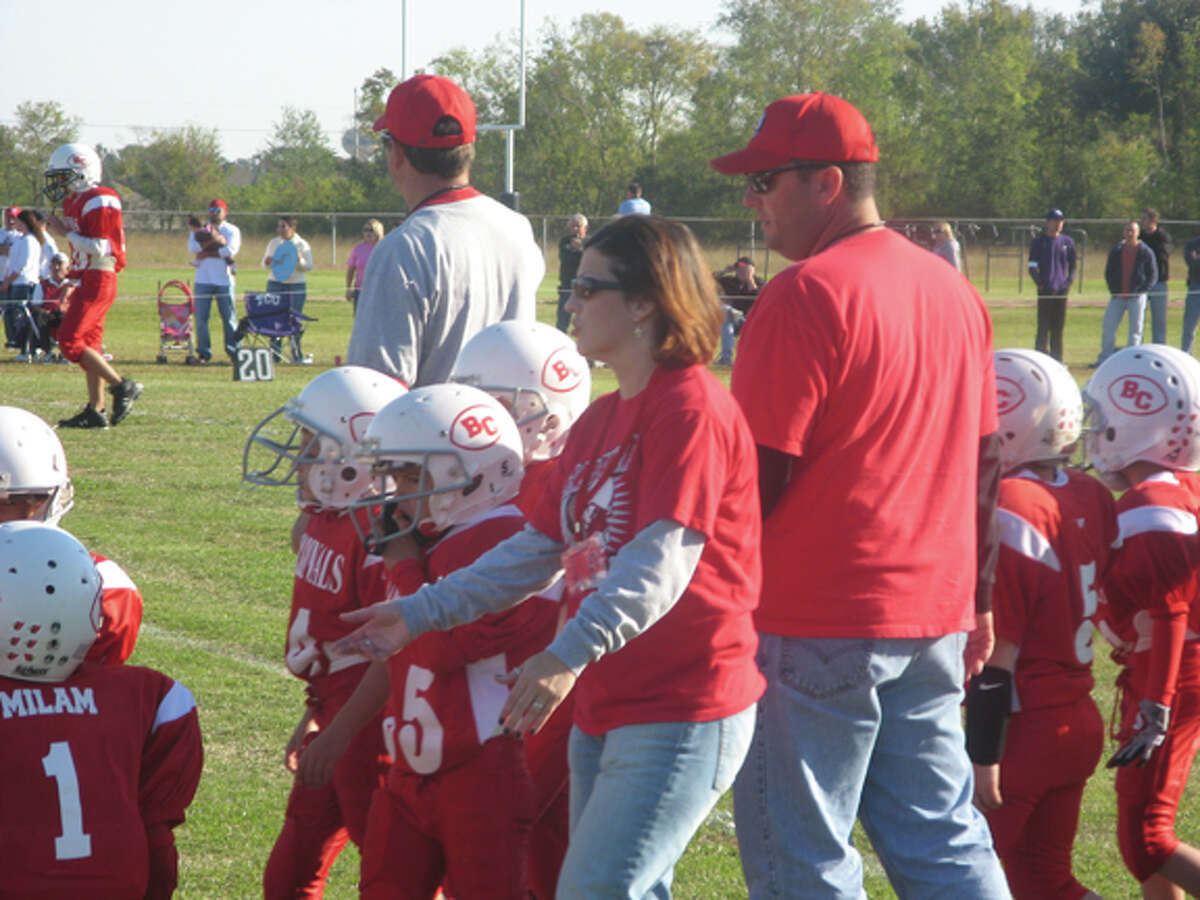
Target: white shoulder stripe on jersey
[[101, 200], [177, 704], [113, 576], [1143, 519], [1019, 535]]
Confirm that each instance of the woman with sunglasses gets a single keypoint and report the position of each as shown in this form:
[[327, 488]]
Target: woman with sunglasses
[[653, 513], [356, 265]]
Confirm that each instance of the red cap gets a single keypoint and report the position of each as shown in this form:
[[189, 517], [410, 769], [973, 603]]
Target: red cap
[[416, 105], [13, 211], [813, 126], [219, 204]]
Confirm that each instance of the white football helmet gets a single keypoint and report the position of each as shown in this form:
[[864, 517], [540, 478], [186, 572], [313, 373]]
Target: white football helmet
[[534, 370], [1143, 404], [49, 602], [319, 430], [72, 168], [33, 463], [466, 444], [1041, 410]]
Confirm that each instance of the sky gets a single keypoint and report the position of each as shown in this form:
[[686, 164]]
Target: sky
[[129, 66]]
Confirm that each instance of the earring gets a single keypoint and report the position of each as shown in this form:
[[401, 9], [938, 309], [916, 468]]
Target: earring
[[637, 330]]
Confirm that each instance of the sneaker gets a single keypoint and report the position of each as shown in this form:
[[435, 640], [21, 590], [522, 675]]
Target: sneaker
[[305, 360], [86, 418], [23, 357], [123, 396]]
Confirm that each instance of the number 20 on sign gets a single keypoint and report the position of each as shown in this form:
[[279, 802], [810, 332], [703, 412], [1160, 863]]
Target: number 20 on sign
[[253, 364]]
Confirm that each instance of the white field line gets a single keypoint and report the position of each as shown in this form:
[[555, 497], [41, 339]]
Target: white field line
[[215, 648]]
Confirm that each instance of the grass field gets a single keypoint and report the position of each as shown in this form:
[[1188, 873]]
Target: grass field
[[161, 494]]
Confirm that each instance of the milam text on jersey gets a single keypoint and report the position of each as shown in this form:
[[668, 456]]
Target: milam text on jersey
[[37, 702], [319, 565]]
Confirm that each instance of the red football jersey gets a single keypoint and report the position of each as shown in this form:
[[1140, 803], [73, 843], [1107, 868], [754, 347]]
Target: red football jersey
[[95, 216], [87, 767], [1054, 544], [444, 691], [334, 574], [121, 603]]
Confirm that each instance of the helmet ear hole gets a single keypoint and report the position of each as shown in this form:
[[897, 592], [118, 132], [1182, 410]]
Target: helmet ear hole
[[349, 474], [473, 486]]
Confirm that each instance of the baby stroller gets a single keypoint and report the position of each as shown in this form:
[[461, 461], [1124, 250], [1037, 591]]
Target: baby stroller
[[175, 323]]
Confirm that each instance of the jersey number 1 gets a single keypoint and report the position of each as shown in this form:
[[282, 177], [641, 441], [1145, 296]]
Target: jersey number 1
[[58, 764]]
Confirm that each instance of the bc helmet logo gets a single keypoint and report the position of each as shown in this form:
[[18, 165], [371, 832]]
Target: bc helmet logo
[[1137, 395], [1009, 395], [474, 428], [558, 374]]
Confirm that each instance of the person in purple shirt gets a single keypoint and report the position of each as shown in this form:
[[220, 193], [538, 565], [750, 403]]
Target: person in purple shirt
[[1052, 268], [356, 265], [1191, 304]]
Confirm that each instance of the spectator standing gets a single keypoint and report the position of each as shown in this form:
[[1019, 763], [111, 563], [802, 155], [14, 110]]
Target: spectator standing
[[1159, 241], [946, 245], [867, 378], [653, 501], [1052, 261], [634, 203], [738, 286], [11, 311], [289, 257], [93, 225], [570, 252], [356, 265], [24, 260], [1191, 306], [459, 262], [1130, 272], [215, 249]]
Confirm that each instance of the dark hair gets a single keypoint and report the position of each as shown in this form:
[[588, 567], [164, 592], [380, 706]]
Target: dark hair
[[660, 261], [34, 226], [858, 178], [445, 162], [291, 220], [634, 188]]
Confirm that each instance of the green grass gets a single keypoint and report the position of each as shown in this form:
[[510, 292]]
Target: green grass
[[161, 495]]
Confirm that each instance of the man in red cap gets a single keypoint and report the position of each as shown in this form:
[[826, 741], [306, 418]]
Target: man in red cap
[[214, 249], [459, 262], [866, 376]]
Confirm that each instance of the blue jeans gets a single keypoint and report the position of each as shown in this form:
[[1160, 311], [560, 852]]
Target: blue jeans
[[729, 326], [869, 729], [1157, 296], [638, 794], [1191, 316], [1118, 304], [205, 294], [297, 294], [562, 319]]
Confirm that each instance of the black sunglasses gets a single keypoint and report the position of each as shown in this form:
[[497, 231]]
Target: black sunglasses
[[762, 182], [585, 285]]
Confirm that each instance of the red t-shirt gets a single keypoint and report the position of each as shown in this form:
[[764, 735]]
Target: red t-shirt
[[121, 604], [1054, 546], [88, 766], [872, 363], [445, 696], [679, 450], [334, 574], [95, 213]]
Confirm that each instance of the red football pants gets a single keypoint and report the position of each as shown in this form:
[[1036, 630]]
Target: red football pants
[[319, 821], [83, 322], [1048, 757], [546, 754], [1148, 797], [468, 826]]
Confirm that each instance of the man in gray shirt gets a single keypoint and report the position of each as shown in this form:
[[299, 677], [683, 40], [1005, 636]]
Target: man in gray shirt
[[459, 262]]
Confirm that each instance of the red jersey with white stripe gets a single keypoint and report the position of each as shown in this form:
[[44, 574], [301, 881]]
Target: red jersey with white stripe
[[1055, 539], [97, 231], [1156, 572], [88, 768], [444, 690], [334, 574], [121, 604]]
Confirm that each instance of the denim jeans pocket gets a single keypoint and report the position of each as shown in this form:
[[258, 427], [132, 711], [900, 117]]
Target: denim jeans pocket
[[820, 668]]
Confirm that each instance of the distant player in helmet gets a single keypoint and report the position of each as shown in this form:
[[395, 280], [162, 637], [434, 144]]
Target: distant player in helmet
[[307, 443], [1143, 410], [1056, 529], [459, 801], [539, 376], [35, 485], [92, 224], [97, 763]]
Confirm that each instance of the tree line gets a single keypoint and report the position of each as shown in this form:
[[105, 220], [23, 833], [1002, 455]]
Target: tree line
[[988, 110]]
